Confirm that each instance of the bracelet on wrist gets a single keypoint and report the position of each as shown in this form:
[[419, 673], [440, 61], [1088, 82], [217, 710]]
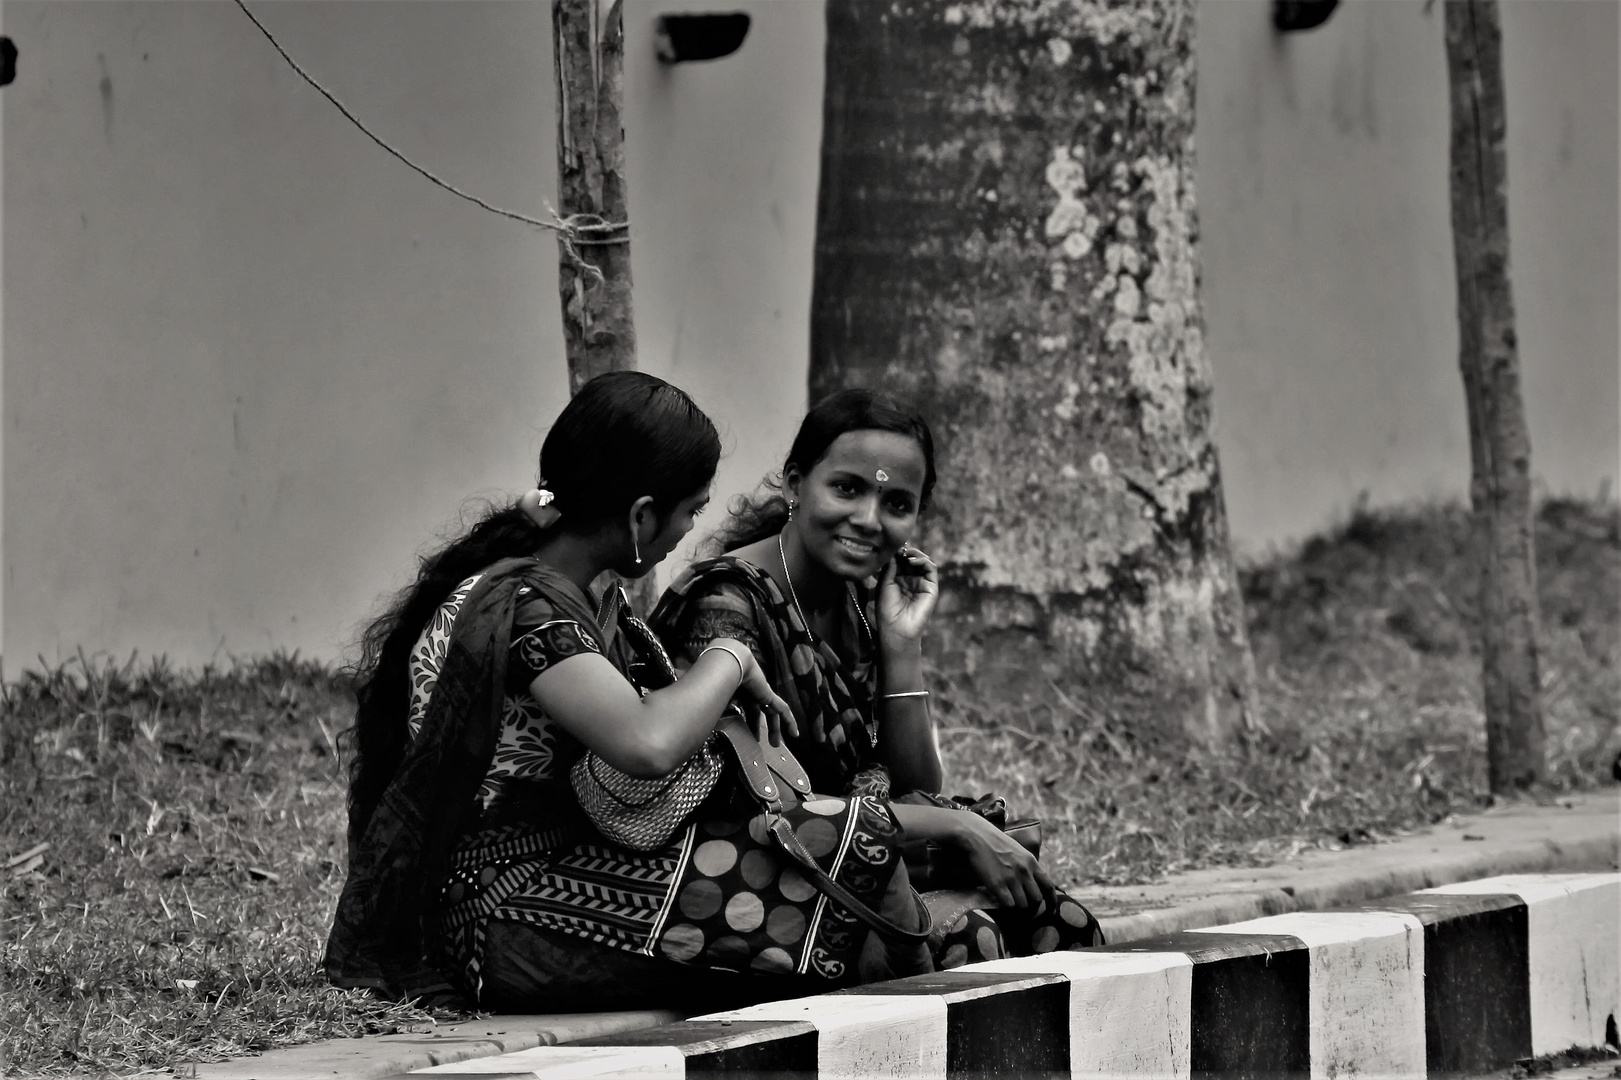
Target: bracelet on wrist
[[905, 694], [742, 672]]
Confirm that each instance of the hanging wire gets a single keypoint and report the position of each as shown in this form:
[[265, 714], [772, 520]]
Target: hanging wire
[[571, 230]]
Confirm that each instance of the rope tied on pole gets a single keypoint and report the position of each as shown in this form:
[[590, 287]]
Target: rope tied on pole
[[573, 231]]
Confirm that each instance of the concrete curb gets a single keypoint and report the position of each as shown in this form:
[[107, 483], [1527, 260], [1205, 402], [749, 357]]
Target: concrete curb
[[1581, 832], [1464, 977], [1351, 887]]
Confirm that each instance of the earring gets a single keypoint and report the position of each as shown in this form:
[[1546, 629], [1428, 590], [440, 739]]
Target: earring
[[636, 547], [791, 510]]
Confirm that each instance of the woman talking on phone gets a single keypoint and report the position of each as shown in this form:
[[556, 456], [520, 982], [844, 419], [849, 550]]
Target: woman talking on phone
[[821, 582]]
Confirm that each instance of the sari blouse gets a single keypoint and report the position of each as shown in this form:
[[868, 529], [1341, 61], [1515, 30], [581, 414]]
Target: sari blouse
[[728, 597]]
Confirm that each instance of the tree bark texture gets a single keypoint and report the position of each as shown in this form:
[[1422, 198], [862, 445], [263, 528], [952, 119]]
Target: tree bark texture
[[599, 332], [1006, 236], [1499, 444], [589, 53]]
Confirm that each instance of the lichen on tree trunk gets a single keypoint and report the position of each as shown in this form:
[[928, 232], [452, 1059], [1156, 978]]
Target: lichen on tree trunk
[[1499, 442], [1006, 235]]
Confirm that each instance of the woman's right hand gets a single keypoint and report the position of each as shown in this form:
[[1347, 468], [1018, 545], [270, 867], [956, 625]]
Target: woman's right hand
[[771, 714], [1003, 868]]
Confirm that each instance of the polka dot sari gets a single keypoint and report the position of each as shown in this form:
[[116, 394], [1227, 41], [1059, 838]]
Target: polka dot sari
[[833, 682]]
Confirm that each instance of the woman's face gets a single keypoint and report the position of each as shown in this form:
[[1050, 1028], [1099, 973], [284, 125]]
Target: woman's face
[[860, 502], [676, 527]]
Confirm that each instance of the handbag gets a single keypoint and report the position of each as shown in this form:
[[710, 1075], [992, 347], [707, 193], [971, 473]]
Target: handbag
[[932, 866], [775, 779], [772, 789], [643, 813]]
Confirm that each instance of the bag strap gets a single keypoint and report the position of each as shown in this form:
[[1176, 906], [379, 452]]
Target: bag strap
[[759, 763], [783, 833], [780, 760], [756, 766], [613, 599]]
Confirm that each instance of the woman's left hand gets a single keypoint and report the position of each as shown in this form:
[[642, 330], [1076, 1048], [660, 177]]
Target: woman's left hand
[[1004, 869], [907, 592]]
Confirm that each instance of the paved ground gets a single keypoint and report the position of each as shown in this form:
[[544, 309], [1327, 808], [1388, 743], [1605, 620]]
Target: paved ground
[[1598, 1070], [1607, 1069], [1581, 832]]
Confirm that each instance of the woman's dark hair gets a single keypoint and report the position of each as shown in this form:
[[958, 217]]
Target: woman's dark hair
[[624, 435], [840, 412]]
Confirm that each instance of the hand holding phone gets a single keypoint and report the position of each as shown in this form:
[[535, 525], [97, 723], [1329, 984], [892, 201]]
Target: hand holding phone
[[909, 562], [907, 592]]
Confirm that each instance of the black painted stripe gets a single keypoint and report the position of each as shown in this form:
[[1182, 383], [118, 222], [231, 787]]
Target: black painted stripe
[[1477, 978], [1251, 1008], [998, 1024], [778, 1049]]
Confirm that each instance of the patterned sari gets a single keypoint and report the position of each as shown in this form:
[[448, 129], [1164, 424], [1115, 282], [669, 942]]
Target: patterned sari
[[834, 683], [479, 877]]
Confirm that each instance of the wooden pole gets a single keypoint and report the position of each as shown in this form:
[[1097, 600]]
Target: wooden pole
[[599, 331], [1499, 444], [594, 272]]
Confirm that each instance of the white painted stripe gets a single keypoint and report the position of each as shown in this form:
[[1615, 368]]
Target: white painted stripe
[[862, 1035], [667, 905], [1367, 988], [569, 1062], [1573, 922], [1129, 1013], [820, 911]]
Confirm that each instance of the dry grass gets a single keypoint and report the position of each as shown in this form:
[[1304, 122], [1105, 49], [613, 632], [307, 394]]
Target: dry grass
[[195, 843], [194, 822], [1370, 686]]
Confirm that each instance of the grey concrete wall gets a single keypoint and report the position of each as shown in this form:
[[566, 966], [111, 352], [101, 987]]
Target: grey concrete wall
[[1329, 286], [251, 363]]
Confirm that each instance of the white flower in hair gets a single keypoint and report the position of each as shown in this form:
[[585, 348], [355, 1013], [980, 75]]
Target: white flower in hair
[[537, 503]]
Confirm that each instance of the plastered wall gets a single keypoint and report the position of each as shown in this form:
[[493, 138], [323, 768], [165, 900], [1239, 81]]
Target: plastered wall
[[251, 364], [1329, 286]]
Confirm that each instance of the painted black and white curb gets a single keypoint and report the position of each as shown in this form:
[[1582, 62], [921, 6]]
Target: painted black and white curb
[[1464, 977]]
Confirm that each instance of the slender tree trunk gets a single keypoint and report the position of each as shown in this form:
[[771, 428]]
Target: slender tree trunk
[[599, 331], [1006, 235], [594, 271], [1499, 444]]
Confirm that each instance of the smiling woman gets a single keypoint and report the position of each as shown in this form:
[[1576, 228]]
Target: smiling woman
[[821, 581], [859, 503]]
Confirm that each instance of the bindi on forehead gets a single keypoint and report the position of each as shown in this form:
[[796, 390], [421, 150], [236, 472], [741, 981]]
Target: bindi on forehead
[[885, 457]]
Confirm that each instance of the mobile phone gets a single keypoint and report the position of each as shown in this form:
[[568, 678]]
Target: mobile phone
[[909, 564]]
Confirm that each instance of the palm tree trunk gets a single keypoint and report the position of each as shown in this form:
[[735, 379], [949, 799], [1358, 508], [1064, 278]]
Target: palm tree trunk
[[1006, 235]]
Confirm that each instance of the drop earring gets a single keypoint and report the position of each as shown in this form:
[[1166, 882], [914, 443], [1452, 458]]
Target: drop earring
[[635, 547]]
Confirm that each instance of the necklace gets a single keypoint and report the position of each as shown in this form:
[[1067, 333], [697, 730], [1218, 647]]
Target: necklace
[[856, 603], [794, 596]]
